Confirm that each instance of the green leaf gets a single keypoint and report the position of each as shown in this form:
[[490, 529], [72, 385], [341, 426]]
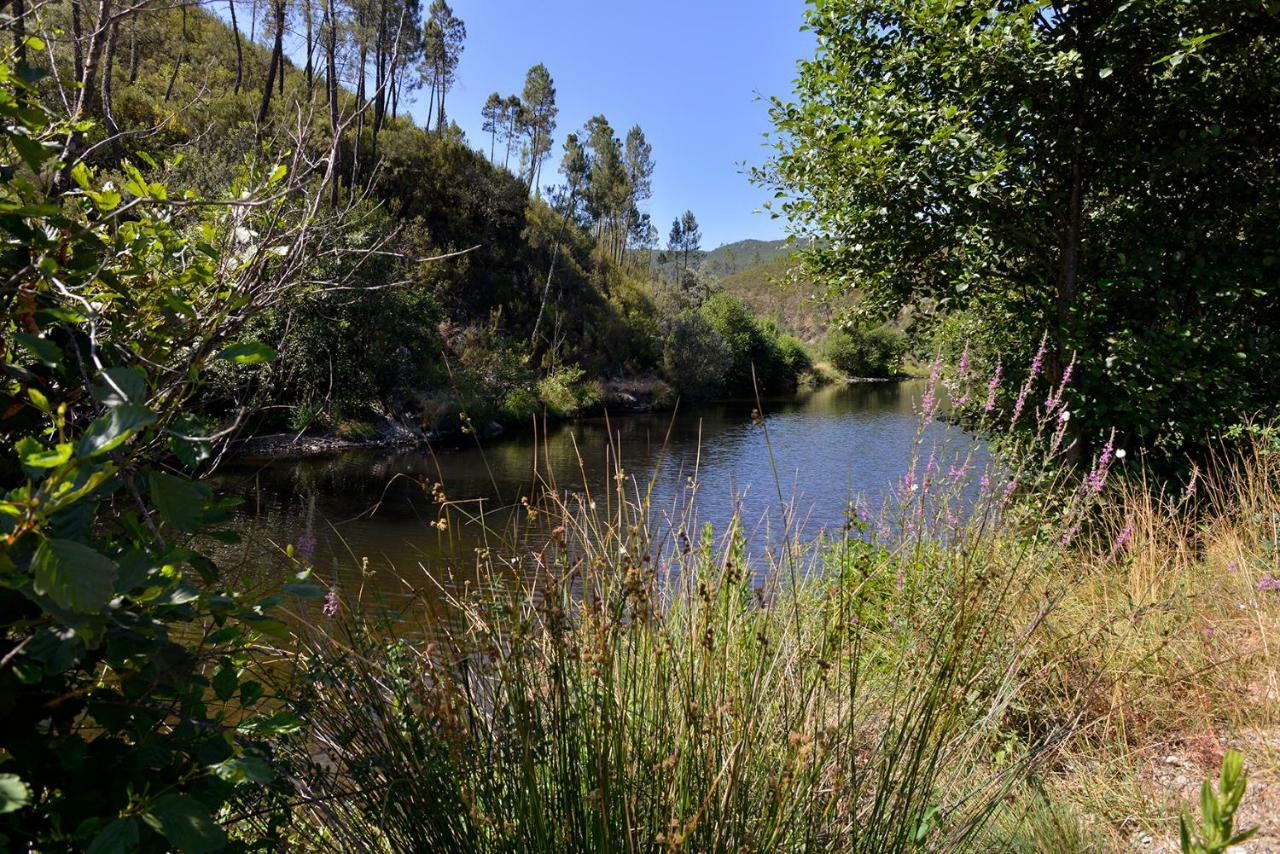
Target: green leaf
[[225, 681], [113, 429], [73, 575], [247, 768], [32, 151], [119, 385], [39, 400], [34, 456], [14, 794], [305, 591], [248, 353], [278, 173], [45, 351], [181, 502], [186, 824], [120, 835], [280, 723]]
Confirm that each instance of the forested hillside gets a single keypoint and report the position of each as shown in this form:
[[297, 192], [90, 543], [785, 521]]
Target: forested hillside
[[462, 280]]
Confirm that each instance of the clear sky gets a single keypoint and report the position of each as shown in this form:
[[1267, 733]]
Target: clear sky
[[687, 71]]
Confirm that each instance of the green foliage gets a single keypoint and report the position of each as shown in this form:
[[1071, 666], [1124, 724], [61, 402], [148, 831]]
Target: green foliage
[[755, 347], [858, 352], [1102, 171], [126, 706], [695, 358], [1216, 831], [567, 392]]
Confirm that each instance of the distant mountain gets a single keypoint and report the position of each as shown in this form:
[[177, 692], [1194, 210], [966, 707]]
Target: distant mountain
[[732, 257], [766, 275]]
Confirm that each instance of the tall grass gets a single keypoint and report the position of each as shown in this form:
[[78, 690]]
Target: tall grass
[[975, 667]]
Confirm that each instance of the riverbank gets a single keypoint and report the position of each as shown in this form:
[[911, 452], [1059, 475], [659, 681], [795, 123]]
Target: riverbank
[[1054, 672]]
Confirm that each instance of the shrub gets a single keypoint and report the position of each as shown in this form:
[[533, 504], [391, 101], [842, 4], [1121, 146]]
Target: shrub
[[129, 718], [795, 356], [695, 357], [866, 352], [755, 346], [567, 392]]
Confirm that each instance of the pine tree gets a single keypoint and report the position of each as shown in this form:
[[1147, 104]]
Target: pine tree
[[492, 113], [538, 117]]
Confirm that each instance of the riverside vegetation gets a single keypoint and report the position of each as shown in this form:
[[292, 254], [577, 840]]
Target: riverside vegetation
[[1005, 656]]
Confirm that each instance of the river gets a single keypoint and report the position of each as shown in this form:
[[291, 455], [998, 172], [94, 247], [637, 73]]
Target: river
[[369, 517]]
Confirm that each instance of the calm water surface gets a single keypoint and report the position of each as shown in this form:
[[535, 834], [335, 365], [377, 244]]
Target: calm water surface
[[829, 447]]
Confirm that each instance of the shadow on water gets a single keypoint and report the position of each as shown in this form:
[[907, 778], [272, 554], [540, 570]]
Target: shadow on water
[[829, 446]]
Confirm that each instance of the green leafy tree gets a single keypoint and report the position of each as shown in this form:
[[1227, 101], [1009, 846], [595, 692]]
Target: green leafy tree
[[537, 117], [491, 113], [444, 37], [130, 719], [1102, 170]]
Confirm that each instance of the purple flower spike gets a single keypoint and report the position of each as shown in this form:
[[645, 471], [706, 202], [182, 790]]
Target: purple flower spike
[[992, 387], [331, 603]]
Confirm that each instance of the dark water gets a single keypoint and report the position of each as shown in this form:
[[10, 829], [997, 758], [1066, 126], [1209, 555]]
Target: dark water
[[818, 450]]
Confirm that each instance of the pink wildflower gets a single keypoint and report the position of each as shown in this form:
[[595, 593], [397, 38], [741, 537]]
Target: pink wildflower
[[1054, 400], [1269, 582], [931, 393], [1038, 362], [992, 387], [1122, 540], [1097, 478]]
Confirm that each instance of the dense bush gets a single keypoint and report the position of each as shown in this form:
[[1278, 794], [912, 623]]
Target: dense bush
[[857, 352], [568, 391], [695, 358], [129, 719], [756, 349]]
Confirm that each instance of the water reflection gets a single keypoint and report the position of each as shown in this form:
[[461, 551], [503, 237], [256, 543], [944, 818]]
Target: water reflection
[[814, 452]]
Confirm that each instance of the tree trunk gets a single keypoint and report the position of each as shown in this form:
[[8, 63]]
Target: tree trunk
[[88, 93], [108, 117], [77, 38], [380, 71], [235, 29], [360, 108], [331, 83], [310, 70], [182, 49], [89, 76], [276, 51]]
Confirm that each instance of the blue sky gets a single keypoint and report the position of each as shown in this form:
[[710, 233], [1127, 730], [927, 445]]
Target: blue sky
[[687, 72]]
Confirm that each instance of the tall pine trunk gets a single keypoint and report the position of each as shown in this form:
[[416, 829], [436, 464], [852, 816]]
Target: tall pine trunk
[[331, 84], [310, 70], [277, 51], [77, 38], [235, 29], [182, 49]]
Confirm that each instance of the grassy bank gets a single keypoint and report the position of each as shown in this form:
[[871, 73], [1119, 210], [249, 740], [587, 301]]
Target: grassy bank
[[1020, 672]]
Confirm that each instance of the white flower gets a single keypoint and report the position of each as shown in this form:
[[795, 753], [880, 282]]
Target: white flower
[[1120, 453], [1064, 415]]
